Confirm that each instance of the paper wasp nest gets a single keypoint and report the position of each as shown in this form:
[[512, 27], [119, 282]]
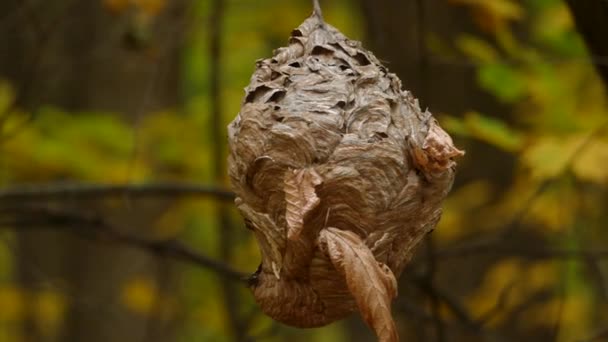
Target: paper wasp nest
[[339, 175]]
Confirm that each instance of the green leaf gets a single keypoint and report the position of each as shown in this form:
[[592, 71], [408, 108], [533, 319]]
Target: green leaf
[[548, 156], [493, 131], [477, 49], [503, 81], [490, 130]]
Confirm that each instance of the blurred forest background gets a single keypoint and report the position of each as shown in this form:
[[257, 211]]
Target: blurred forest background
[[116, 223]]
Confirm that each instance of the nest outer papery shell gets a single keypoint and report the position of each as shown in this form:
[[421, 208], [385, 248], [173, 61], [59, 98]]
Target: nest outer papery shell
[[339, 174]]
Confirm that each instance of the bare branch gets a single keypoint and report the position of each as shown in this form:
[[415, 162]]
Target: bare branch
[[600, 335], [500, 306], [458, 310], [97, 229], [416, 311], [78, 191], [526, 252]]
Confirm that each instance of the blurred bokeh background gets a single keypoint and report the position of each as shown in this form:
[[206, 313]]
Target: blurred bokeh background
[[116, 223]]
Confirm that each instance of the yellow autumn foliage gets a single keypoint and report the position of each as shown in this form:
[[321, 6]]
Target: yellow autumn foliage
[[139, 294]]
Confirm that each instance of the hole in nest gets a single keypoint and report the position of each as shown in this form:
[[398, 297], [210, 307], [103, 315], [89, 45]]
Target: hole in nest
[[256, 93], [295, 65], [277, 96], [320, 50], [362, 59]]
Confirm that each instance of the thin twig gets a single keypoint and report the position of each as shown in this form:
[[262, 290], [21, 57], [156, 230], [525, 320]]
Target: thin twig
[[484, 243], [600, 335], [596, 272], [501, 303], [78, 191], [532, 252], [459, 311], [557, 325], [415, 311], [515, 315], [179, 251], [98, 229]]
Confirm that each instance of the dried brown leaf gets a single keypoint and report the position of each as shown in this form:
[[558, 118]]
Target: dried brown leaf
[[371, 283], [300, 198], [437, 152]]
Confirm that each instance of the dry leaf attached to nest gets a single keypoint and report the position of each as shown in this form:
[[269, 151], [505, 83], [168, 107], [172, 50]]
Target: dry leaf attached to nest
[[339, 174]]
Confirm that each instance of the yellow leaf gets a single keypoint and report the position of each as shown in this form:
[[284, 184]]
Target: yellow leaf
[[573, 309], [170, 223], [150, 7], [477, 48], [541, 274], [11, 303], [555, 20], [116, 6], [549, 155], [211, 315], [590, 165], [493, 15], [515, 282], [549, 211], [458, 208], [499, 278], [49, 309], [139, 295]]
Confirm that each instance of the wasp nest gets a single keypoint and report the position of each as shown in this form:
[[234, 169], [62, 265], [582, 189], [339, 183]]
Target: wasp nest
[[339, 175]]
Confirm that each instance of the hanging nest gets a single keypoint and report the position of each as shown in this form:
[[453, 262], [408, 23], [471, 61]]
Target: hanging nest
[[339, 175]]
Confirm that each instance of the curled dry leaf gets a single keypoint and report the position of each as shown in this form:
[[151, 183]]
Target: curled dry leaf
[[300, 198], [326, 137], [371, 283], [437, 151]]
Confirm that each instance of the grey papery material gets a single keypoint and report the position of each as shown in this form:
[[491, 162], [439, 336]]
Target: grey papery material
[[327, 150]]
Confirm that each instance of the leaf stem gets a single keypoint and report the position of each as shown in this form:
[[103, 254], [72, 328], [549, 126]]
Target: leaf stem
[[317, 9]]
